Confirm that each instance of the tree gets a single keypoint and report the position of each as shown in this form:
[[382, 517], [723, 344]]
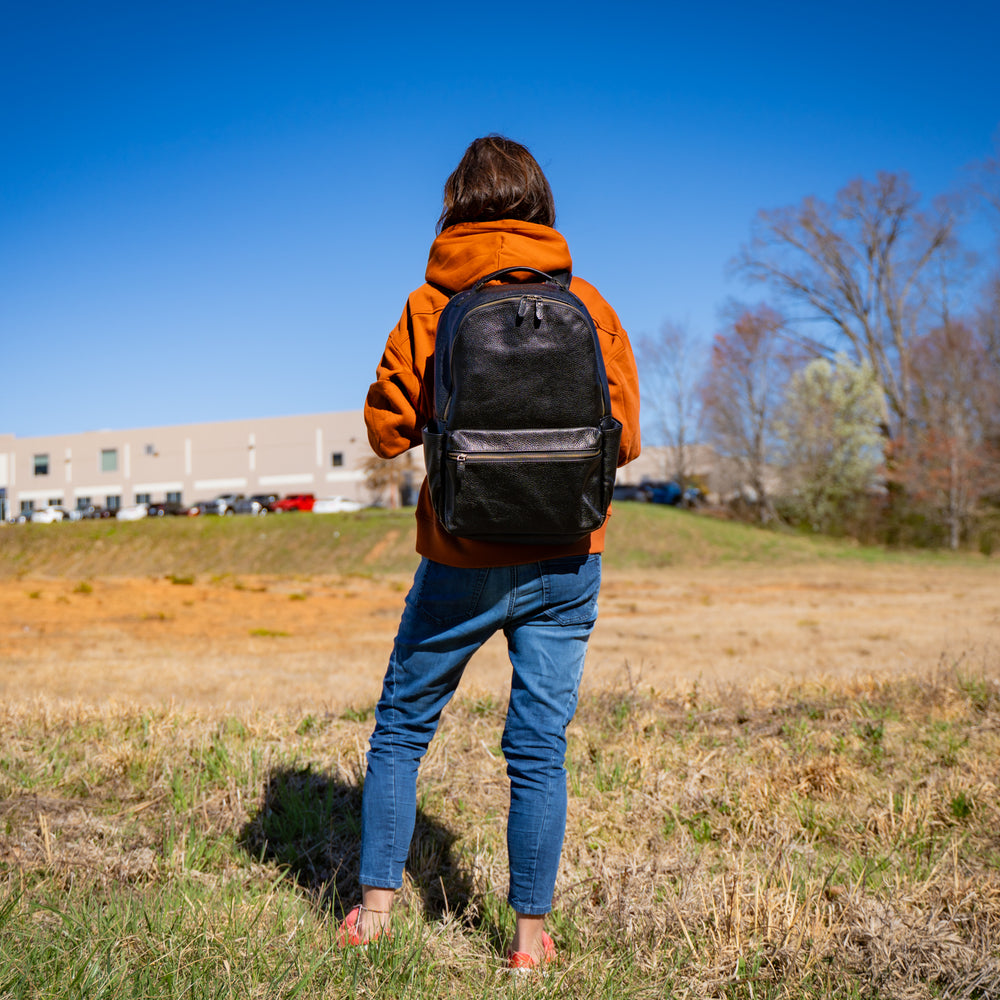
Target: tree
[[740, 394], [829, 428], [863, 266], [986, 180], [953, 457], [987, 327], [669, 374], [391, 479], [986, 321], [986, 190]]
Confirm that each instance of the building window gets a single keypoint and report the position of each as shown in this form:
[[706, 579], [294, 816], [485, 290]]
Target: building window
[[41, 465], [174, 497], [113, 502], [109, 460], [27, 506], [82, 503], [143, 498], [150, 449], [337, 459], [55, 501]]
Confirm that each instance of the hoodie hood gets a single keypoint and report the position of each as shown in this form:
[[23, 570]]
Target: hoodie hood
[[466, 252]]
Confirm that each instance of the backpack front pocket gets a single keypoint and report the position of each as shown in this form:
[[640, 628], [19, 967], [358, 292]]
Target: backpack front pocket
[[524, 486]]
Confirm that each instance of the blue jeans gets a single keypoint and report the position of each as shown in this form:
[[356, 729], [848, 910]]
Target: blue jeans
[[547, 611]]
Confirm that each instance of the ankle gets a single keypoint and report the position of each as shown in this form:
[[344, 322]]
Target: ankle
[[376, 905], [528, 936], [370, 922]]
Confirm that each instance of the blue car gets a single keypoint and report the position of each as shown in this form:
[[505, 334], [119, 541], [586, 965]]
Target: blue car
[[668, 493]]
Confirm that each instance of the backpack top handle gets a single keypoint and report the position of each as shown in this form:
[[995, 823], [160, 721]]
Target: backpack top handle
[[544, 275]]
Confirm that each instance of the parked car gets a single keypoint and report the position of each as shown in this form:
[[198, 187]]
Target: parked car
[[134, 512], [669, 493], [627, 491], [259, 505], [48, 515], [168, 507], [694, 496], [89, 513], [223, 505], [295, 501], [336, 505]]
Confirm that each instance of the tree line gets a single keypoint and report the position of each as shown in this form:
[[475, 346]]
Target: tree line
[[861, 394]]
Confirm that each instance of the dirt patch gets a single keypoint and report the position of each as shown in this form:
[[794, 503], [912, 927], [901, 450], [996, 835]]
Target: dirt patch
[[320, 644]]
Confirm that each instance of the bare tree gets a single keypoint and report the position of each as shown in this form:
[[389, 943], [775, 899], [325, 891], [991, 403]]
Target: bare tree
[[986, 191], [987, 322], [391, 479], [740, 394], [669, 369], [953, 459], [863, 266], [986, 181]]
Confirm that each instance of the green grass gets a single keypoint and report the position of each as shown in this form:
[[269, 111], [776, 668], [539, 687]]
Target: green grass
[[377, 542], [808, 842]]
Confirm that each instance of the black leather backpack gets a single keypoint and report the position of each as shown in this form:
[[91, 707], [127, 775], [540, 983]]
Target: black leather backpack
[[522, 447]]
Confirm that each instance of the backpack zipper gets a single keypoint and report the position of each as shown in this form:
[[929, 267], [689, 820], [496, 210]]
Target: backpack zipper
[[461, 458], [529, 456], [521, 305]]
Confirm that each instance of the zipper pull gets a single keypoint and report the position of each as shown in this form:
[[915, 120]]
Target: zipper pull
[[459, 468], [529, 301]]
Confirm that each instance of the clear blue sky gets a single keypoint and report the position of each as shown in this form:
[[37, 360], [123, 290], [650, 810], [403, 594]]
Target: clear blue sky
[[215, 210]]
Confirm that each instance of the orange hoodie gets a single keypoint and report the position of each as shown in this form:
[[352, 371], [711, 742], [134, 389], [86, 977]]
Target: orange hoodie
[[399, 401]]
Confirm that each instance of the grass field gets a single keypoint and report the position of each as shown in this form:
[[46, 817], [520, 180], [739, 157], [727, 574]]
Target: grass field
[[375, 542], [835, 837]]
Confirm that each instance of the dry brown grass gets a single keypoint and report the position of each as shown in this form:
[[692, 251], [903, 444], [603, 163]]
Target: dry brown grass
[[774, 840], [321, 642], [783, 782]]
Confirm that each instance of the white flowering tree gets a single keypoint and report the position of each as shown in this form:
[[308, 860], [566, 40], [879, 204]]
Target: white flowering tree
[[829, 428]]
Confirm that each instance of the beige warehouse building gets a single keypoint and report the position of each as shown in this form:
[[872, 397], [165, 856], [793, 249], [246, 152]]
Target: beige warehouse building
[[320, 453]]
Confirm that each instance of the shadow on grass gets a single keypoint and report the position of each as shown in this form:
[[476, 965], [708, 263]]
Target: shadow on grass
[[310, 824]]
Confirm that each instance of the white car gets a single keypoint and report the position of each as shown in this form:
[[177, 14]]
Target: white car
[[134, 513], [336, 505], [48, 515]]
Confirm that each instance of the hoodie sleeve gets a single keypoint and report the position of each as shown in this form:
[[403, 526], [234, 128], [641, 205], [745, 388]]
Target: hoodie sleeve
[[396, 407], [619, 363], [623, 381]]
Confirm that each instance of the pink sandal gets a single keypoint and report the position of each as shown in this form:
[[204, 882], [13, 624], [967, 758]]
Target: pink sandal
[[347, 933], [523, 960]]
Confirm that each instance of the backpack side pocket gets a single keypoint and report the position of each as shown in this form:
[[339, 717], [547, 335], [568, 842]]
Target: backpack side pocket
[[434, 445]]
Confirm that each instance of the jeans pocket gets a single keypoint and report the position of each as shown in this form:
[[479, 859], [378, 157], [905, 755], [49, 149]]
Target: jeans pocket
[[571, 587], [447, 595]]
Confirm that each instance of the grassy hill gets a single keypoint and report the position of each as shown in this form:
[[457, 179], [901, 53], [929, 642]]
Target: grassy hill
[[379, 542]]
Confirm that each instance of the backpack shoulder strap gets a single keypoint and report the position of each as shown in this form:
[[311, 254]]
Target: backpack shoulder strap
[[440, 288]]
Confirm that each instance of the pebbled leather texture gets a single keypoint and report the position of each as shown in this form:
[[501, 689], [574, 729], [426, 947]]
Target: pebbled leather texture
[[523, 448]]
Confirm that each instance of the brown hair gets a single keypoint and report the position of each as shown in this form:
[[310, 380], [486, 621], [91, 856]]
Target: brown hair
[[497, 178]]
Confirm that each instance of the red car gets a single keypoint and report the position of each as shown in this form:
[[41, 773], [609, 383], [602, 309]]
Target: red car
[[296, 501]]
